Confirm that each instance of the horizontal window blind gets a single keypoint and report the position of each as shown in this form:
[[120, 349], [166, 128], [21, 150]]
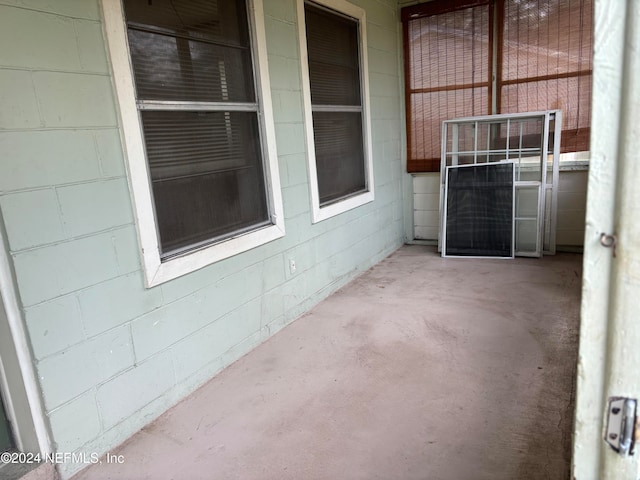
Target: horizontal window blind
[[190, 50], [336, 102], [339, 155], [193, 72]]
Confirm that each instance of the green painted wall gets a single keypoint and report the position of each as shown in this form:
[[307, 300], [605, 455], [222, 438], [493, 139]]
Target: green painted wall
[[110, 354]]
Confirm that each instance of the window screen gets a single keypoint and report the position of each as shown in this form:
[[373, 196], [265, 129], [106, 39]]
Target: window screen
[[192, 64], [479, 210], [336, 102]]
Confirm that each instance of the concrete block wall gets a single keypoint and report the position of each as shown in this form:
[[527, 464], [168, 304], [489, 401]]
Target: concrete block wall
[[110, 354], [572, 199]]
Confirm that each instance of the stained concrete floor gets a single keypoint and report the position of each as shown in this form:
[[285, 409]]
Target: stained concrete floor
[[421, 368]]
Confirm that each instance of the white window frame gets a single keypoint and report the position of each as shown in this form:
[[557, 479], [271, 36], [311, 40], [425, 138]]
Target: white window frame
[[158, 271], [319, 213]]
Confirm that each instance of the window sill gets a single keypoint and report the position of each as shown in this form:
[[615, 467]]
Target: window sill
[[157, 272], [322, 213]]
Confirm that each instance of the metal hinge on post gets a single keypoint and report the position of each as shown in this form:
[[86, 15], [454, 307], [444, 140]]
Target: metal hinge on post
[[621, 424]]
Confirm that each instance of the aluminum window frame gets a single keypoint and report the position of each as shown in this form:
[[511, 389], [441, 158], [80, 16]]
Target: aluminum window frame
[[156, 269], [446, 171], [545, 227], [318, 212]]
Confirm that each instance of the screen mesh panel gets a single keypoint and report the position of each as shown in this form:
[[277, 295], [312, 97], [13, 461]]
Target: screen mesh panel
[[479, 210], [339, 155], [206, 173]]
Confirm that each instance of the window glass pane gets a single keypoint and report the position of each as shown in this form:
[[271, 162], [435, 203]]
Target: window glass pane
[[207, 176], [339, 154], [334, 68], [223, 21], [190, 51]]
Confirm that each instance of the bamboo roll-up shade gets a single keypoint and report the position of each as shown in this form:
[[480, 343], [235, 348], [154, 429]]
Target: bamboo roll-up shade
[[546, 51], [448, 74]]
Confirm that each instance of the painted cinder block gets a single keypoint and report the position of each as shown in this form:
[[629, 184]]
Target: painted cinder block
[[167, 325], [273, 272], [426, 183], [426, 202], [31, 218], [282, 38], [115, 302], [272, 305], [76, 421], [75, 100], [426, 233], [130, 391], [290, 138], [72, 8], [18, 100], [381, 38], [426, 218], [384, 84], [296, 168], [49, 272], [44, 158], [96, 206], [385, 129], [211, 342], [284, 74], [296, 200], [93, 56], [282, 10], [287, 106], [54, 326], [38, 40], [66, 375], [125, 245], [382, 62], [378, 13], [109, 151]]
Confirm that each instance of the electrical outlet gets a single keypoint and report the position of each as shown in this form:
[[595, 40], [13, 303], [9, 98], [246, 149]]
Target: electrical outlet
[[292, 265]]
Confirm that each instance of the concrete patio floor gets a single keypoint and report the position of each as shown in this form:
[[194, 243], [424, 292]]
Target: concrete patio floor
[[421, 368]]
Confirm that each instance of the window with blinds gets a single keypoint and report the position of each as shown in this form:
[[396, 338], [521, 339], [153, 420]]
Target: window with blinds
[[337, 130], [474, 57], [194, 82]]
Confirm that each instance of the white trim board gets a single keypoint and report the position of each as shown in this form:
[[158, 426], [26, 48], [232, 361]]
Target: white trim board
[[18, 379], [319, 213], [158, 271]]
